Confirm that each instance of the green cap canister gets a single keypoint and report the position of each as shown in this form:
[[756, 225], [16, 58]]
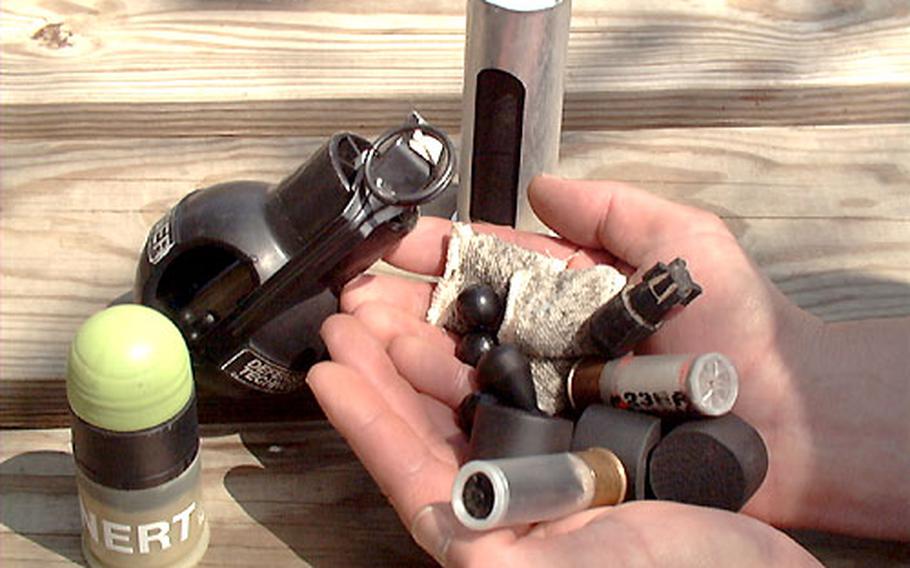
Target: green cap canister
[[135, 441]]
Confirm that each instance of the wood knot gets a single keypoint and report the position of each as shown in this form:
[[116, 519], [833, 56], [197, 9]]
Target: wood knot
[[54, 36]]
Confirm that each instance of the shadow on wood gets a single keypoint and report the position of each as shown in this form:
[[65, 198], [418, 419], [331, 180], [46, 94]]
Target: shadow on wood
[[312, 493], [38, 500]]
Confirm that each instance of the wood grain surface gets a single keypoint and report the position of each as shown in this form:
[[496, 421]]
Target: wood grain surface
[[276, 495], [188, 68], [289, 495], [824, 210]]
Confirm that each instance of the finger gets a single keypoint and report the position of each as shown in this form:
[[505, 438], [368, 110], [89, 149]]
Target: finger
[[443, 418], [567, 524], [403, 465], [416, 483], [424, 250], [624, 220], [412, 296], [544, 244], [669, 534], [431, 370], [386, 322], [436, 529], [350, 344], [588, 257]]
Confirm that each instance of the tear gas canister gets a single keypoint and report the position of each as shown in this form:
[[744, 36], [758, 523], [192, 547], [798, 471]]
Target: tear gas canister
[[135, 441]]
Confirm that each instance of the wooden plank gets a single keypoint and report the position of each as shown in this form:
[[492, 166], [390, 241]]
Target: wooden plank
[[837, 269], [176, 68], [41, 403], [46, 294], [856, 172], [825, 211], [860, 172], [293, 496], [289, 495]]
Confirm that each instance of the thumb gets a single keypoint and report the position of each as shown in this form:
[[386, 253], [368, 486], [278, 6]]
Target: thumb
[[625, 221]]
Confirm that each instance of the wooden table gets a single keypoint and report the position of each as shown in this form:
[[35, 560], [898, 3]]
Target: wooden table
[[790, 119]]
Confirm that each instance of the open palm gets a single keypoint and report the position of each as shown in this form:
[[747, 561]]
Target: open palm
[[393, 382]]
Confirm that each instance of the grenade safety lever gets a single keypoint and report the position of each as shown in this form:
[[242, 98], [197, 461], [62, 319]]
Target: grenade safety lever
[[248, 272]]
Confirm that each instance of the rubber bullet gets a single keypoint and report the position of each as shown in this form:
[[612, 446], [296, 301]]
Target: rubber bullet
[[473, 346], [505, 373], [479, 308]]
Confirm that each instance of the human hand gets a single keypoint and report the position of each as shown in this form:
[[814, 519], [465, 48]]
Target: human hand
[[740, 314], [392, 395], [394, 407]]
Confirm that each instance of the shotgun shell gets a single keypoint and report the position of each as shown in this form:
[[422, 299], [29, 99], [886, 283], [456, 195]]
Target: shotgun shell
[[511, 491], [629, 435], [666, 384]]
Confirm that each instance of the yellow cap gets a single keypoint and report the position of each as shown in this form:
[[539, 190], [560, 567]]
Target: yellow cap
[[129, 369]]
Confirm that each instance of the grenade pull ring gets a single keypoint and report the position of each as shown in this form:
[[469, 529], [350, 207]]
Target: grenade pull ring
[[428, 153]]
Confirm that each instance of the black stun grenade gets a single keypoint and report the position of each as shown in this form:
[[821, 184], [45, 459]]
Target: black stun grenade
[[248, 272]]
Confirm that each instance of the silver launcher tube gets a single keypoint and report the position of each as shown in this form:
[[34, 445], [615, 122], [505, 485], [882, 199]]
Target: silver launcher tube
[[527, 489], [515, 59]]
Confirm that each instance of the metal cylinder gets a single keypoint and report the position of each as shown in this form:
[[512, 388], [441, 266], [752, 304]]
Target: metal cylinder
[[512, 491], [694, 384], [513, 93]]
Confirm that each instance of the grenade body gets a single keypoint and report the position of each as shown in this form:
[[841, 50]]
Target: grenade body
[[248, 272], [202, 259]]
